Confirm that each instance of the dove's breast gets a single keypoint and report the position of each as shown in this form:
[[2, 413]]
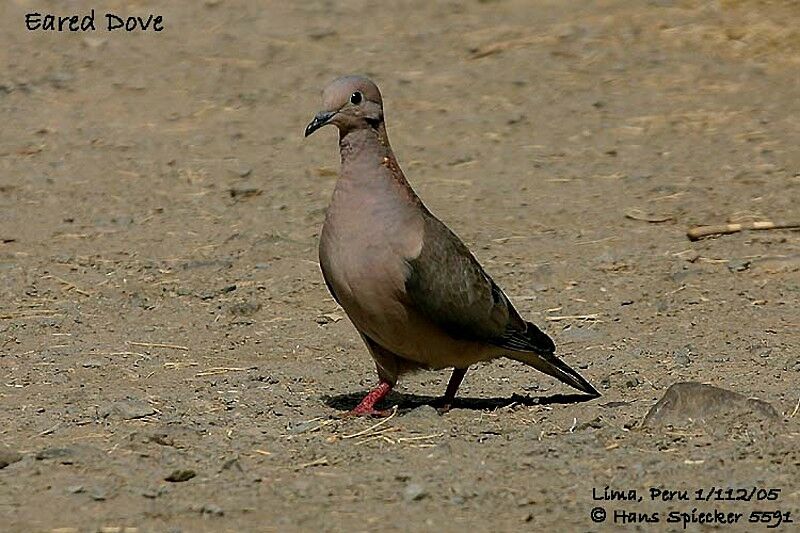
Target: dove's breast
[[363, 256], [363, 252]]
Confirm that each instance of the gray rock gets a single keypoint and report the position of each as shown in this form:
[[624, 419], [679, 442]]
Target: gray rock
[[682, 356], [76, 489], [154, 492], [127, 409], [180, 475], [63, 454], [207, 263], [414, 492], [99, 494], [455, 499], [239, 168], [423, 412], [738, 265], [621, 380], [232, 463], [244, 308], [211, 510], [60, 79], [8, 456], [578, 334], [708, 407], [321, 33], [242, 193], [682, 360]]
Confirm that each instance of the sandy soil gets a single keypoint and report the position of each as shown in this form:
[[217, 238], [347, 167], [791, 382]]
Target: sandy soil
[[162, 314]]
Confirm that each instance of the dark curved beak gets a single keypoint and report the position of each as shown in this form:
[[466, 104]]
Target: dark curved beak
[[322, 118]]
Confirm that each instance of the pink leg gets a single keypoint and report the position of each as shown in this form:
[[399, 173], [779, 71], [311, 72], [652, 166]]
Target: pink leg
[[452, 388], [367, 405]]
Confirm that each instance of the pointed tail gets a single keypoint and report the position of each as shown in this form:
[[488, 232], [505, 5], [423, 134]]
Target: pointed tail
[[553, 366]]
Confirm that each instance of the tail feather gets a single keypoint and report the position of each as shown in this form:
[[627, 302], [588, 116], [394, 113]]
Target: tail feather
[[533, 347], [551, 365], [531, 339]]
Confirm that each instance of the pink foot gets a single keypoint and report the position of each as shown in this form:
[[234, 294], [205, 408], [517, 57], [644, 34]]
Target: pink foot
[[377, 413], [367, 405]]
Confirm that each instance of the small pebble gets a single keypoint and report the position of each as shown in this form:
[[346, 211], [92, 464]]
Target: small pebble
[[8, 457], [127, 409], [414, 492], [98, 494], [423, 412], [54, 453], [212, 510], [180, 475]]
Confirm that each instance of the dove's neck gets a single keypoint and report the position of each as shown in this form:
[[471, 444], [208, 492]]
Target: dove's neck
[[364, 145], [362, 148], [369, 166]]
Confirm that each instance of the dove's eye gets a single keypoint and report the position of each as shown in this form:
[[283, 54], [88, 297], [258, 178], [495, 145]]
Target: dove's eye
[[356, 98]]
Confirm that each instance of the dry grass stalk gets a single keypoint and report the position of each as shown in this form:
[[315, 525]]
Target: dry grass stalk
[[219, 370], [497, 47], [68, 285], [322, 461], [33, 313], [698, 232], [373, 427], [796, 408], [592, 316], [158, 345]]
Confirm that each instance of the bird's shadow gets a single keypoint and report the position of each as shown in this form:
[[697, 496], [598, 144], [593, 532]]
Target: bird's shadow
[[407, 402]]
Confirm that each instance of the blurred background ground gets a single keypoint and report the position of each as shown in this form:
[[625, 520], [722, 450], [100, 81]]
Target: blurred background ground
[[162, 314]]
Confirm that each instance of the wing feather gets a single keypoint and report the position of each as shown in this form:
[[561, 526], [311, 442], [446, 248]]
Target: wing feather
[[447, 284]]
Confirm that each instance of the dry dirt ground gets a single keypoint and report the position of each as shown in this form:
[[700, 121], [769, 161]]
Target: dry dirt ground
[[162, 313]]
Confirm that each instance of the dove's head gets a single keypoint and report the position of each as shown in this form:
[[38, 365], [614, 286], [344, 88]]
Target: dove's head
[[349, 103]]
